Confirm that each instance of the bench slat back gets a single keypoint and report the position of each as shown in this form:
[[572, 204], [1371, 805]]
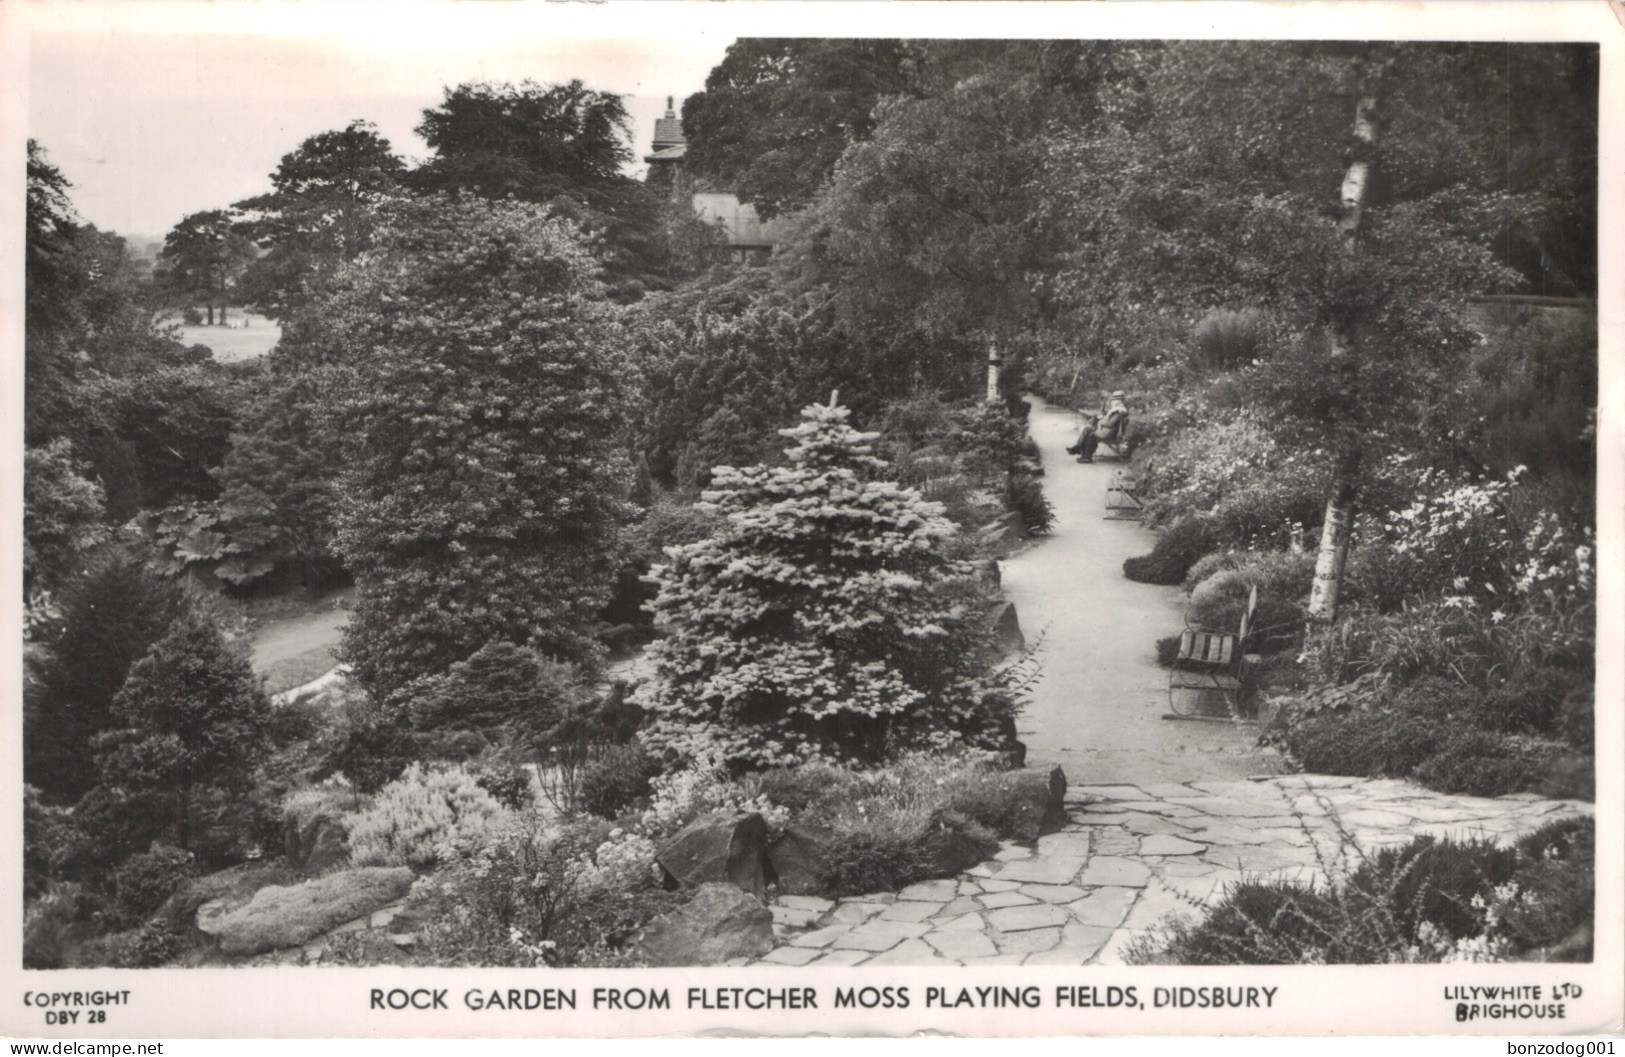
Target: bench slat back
[[1207, 647]]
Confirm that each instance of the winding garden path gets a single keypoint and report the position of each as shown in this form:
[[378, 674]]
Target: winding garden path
[[1162, 815]]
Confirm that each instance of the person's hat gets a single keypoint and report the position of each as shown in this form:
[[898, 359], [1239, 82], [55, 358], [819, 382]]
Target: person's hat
[[1118, 395]]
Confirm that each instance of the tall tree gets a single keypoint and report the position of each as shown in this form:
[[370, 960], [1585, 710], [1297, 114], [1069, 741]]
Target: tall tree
[[203, 258], [776, 114], [319, 214], [485, 484], [112, 615], [563, 145]]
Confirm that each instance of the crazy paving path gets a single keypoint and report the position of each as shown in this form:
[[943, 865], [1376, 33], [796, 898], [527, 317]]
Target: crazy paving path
[[1162, 814], [1130, 855]]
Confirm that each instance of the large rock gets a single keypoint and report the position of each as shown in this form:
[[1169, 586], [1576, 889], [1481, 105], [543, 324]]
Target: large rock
[[1005, 528], [1006, 627], [1041, 807], [724, 846], [314, 838], [226, 890], [279, 917], [797, 860], [719, 924]]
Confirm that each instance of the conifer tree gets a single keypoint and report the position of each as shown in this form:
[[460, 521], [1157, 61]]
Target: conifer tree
[[190, 718], [824, 620]]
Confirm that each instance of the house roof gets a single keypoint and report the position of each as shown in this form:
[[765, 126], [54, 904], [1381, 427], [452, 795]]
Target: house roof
[[668, 153]]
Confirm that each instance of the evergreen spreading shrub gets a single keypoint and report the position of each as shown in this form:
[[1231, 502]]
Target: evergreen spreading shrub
[[1375, 742], [502, 686], [616, 779], [1177, 548], [1479, 763], [142, 882], [424, 818]]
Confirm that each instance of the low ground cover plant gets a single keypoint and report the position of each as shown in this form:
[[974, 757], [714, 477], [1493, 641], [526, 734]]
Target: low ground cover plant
[[1431, 900]]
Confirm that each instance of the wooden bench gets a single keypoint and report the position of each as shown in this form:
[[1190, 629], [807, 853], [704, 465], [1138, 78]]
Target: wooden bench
[[1123, 497], [1209, 668], [1121, 446]]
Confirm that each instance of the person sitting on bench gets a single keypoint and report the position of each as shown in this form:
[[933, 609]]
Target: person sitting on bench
[[1109, 427]]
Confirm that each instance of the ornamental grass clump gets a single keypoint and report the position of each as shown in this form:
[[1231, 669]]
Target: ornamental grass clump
[[823, 620]]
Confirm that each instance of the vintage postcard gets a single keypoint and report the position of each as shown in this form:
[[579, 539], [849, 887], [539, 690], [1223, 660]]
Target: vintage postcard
[[649, 519]]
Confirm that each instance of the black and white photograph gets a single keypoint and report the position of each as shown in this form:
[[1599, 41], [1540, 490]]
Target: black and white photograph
[[886, 511]]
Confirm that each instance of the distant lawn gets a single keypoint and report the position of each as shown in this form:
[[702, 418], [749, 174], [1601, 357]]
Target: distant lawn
[[230, 344]]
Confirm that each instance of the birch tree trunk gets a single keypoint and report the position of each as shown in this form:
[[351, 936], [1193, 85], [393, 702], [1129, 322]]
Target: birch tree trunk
[[1339, 525]]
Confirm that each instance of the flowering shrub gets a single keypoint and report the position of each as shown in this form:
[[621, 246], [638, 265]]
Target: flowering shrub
[[540, 894], [424, 818], [625, 861], [702, 786]]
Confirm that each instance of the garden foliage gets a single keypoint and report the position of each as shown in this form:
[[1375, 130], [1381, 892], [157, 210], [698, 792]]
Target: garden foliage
[[822, 621]]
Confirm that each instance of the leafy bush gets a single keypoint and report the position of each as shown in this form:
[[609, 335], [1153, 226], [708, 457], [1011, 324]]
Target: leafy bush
[[1025, 496], [424, 818], [1283, 580], [1178, 547], [616, 779], [684, 794], [510, 785], [208, 537], [47, 837], [1226, 339], [800, 789], [535, 896], [885, 827], [1483, 764], [503, 685], [1532, 700], [147, 946], [142, 882], [54, 924], [371, 753], [1429, 901], [63, 514], [1376, 742]]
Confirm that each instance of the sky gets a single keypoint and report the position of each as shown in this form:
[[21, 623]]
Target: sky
[[152, 126]]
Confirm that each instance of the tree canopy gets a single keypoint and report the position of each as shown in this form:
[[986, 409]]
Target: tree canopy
[[484, 485], [318, 214]]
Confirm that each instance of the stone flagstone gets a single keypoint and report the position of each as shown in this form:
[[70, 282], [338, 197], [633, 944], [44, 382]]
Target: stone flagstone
[[1132, 855]]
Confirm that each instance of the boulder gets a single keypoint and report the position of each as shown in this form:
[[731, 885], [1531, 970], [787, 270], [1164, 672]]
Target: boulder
[[727, 846], [227, 890], [1006, 528], [279, 916], [987, 572], [719, 924], [314, 838], [1006, 628], [1041, 806], [952, 846], [796, 860]]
